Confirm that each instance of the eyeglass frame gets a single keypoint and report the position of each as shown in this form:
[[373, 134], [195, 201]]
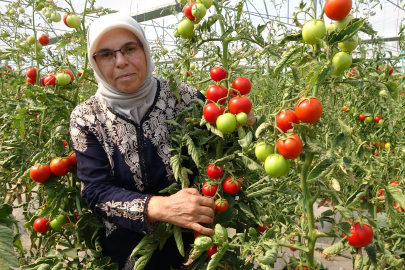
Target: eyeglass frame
[[115, 51]]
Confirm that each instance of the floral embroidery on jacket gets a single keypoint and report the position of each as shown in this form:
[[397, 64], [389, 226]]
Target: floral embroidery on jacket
[[132, 210]]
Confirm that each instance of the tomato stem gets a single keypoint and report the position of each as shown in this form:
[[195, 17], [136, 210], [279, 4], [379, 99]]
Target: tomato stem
[[219, 148]]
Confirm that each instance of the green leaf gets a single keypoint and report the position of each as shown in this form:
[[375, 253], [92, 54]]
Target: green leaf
[[176, 166], [214, 261], [173, 89], [321, 167], [372, 253], [344, 227], [295, 52], [246, 209], [346, 33], [270, 257], [71, 253], [345, 129], [245, 142], [214, 130], [225, 217], [260, 193], [251, 164], [142, 261], [262, 128], [304, 129], [396, 194], [391, 260], [346, 213], [62, 43], [179, 239], [7, 256], [335, 249], [382, 222], [192, 150]]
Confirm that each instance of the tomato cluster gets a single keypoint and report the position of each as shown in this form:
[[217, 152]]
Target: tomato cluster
[[58, 167], [193, 12]]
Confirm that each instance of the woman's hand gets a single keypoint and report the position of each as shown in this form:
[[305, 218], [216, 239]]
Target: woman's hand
[[187, 208]]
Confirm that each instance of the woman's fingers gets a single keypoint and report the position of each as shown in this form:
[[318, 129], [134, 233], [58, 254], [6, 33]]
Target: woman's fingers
[[197, 227]]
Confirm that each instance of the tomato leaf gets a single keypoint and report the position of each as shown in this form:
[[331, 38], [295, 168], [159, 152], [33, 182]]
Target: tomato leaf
[[192, 150], [382, 222], [346, 213], [396, 194], [391, 260], [262, 192], [179, 239], [8, 257], [287, 57], [372, 253], [217, 256], [270, 256], [263, 128], [336, 248], [321, 167], [175, 164], [346, 33], [250, 163], [225, 217], [214, 129], [246, 141], [142, 261]]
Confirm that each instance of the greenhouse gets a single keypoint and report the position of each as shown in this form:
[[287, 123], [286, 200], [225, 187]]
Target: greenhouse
[[206, 134]]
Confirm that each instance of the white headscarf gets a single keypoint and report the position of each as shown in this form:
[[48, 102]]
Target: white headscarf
[[135, 105]]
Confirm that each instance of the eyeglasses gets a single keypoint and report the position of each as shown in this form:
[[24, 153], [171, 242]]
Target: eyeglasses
[[108, 56]]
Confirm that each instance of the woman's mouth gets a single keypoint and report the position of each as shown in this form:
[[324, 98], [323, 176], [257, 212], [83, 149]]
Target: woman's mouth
[[125, 76]]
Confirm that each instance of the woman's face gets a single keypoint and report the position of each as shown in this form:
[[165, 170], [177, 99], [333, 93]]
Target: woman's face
[[124, 74]]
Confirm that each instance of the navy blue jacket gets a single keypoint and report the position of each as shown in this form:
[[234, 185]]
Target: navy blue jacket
[[122, 164]]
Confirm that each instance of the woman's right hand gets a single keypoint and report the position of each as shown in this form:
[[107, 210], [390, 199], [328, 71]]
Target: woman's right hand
[[187, 208]]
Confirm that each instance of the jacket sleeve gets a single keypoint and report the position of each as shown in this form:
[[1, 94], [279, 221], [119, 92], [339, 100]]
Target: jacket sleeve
[[104, 197]]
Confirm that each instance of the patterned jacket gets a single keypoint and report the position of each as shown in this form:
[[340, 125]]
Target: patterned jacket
[[122, 164]]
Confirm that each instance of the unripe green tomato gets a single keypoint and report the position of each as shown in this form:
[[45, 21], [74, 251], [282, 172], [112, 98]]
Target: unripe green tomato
[[342, 61], [48, 14], [17, 41], [23, 44], [276, 165], [196, 66], [206, 3], [369, 120], [186, 28], [226, 123], [73, 21], [192, 66], [31, 40], [198, 11], [56, 17], [182, 2], [311, 29], [41, 54], [337, 72], [49, 20], [58, 222], [21, 10], [382, 123], [11, 12], [38, 45], [330, 28], [176, 33], [44, 10], [349, 45], [257, 54], [241, 118], [63, 79], [165, 51], [263, 150], [343, 23], [39, 6], [5, 34], [383, 93]]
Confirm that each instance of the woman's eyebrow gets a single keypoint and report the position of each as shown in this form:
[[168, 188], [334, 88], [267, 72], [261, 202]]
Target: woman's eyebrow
[[107, 49]]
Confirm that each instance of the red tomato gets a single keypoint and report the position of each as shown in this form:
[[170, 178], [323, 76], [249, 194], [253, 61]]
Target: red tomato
[[211, 113], [301, 267], [290, 148], [31, 73], [216, 92], [65, 144], [72, 77], [263, 229], [399, 209], [187, 11], [77, 217], [214, 172], [285, 119], [212, 250], [196, 234], [361, 237], [363, 198], [221, 205], [50, 80], [31, 81], [64, 18], [308, 111], [218, 74], [394, 183], [240, 104], [362, 117], [42, 81], [243, 85], [231, 186], [43, 39], [391, 70], [337, 9], [40, 173], [377, 118], [292, 249], [72, 158], [344, 108], [209, 189], [60, 167], [41, 225]]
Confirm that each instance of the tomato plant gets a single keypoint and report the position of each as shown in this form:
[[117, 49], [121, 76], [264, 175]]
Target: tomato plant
[[60, 167], [337, 9], [221, 205], [214, 172], [361, 235], [41, 225], [291, 147], [285, 119], [308, 110], [40, 173], [243, 85], [218, 73], [231, 186], [209, 189]]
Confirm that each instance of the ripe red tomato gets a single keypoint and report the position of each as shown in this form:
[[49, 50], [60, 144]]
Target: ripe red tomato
[[40, 173], [363, 198], [41, 225], [43, 39], [394, 182], [308, 111], [31, 81], [291, 147], [362, 117], [212, 250], [218, 74], [50, 80], [337, 9], [77, 217], [65, 144], [31, 73], [72, 77], [301, 267], [64, 18], [240, 104], [292, 249], [42, 81], [216, 92], [72, 158], [377, 118], [231, 185], [263, 229], [221, 205], [399, 209], [243, 85], [209, 189], [344, 108], [285, 119], [391, 70], [187, 11], [211, 113], [214, 172], [60, 167], [361, 237]]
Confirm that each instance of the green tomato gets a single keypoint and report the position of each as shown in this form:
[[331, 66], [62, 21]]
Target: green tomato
[[192, 66], [311, 29], [5, 34], [40, 54], [337, 72], [383, 93], [369, 120], [31, 40], [24, 45], [330, 28], [38, 45], [21, 10], [11, 12], [343, 23], [241, 118], [186, 28], [257, 54], [276, 165], [349, 45], [56, 17], [226, 123], [58, 222], [44, 10], [198, 11], [48, 14], [17, 41], [263, 150], [63, 79], [165, 51], [342, 61], [382, 123], [204, 93], [182, 2], [176, 33], [39, 6], [206, 3], [73, 21]]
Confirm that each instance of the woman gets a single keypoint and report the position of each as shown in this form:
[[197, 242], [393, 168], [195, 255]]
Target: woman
[[122, 145]]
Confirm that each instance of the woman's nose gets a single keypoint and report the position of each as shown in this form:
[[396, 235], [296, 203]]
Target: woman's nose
[[120, 60]]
